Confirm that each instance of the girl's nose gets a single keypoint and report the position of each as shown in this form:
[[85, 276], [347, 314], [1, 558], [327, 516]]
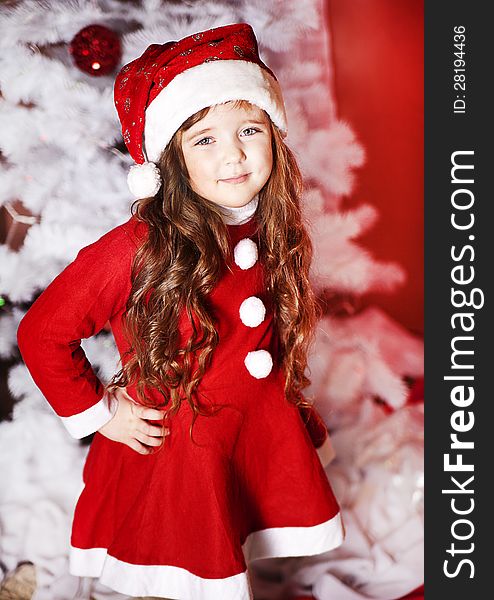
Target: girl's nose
[[234, 153]]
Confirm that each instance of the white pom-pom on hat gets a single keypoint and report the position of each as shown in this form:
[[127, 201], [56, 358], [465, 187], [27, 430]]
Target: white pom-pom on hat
[[245, 253], [259, 363], [144, 180], [252, 311]]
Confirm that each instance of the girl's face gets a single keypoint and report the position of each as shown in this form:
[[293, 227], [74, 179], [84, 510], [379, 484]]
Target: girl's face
[[229, 143]]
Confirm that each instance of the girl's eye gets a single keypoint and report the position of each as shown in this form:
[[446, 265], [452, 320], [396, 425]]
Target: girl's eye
[[199, 143], [252, 128]]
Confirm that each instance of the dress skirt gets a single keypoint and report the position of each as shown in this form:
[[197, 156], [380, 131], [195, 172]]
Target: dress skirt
[[186, 521]]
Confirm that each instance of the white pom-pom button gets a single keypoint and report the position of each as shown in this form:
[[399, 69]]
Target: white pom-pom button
[[245, 253], [259, 363], [144, 180], [252, 311]]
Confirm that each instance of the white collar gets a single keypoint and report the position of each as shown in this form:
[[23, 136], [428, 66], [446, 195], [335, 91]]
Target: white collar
[[238, 215]]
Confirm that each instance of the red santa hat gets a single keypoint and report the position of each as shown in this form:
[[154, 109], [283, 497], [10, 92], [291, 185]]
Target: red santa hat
[[155, 93]]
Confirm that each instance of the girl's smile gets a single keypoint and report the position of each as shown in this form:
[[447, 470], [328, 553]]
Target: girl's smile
[[235, 180]]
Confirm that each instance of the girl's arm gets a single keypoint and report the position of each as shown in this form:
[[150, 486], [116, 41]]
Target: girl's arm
[[318, 433], [77, 304]]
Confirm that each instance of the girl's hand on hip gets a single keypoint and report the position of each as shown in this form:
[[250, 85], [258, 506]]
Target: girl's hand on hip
[[129, 426]]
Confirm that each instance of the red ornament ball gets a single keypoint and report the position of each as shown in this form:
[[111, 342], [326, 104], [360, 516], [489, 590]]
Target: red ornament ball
[[96, 50]]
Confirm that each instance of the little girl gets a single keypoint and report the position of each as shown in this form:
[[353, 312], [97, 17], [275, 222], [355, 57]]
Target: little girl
[[203, 458]]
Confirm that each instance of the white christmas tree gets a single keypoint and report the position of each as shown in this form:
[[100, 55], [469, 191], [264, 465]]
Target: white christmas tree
[[65, 165]]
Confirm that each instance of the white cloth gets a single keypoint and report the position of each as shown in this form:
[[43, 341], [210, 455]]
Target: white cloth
[[241, 214]]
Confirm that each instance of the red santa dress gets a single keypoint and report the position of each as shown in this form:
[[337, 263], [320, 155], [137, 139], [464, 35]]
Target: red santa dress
[[185, 521]]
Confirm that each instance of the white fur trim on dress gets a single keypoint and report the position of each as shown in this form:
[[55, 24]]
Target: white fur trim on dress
[[157, 580], [205, 85], [252, 311], [175, 582], [245, 253], [144, 180], [294, 541], [91, 419], [259, 363]]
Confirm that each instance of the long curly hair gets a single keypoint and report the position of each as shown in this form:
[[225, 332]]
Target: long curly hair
[[182, 258]]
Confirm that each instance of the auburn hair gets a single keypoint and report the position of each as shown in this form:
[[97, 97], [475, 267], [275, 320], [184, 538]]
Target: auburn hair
[[180, 261]]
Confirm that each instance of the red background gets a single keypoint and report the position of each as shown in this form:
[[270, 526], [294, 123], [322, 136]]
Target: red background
[[377, 48]]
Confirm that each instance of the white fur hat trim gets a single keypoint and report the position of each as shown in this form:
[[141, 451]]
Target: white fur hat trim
[[259, 363], [245, 253], [252, 311], [144, 180], [205, 85]]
